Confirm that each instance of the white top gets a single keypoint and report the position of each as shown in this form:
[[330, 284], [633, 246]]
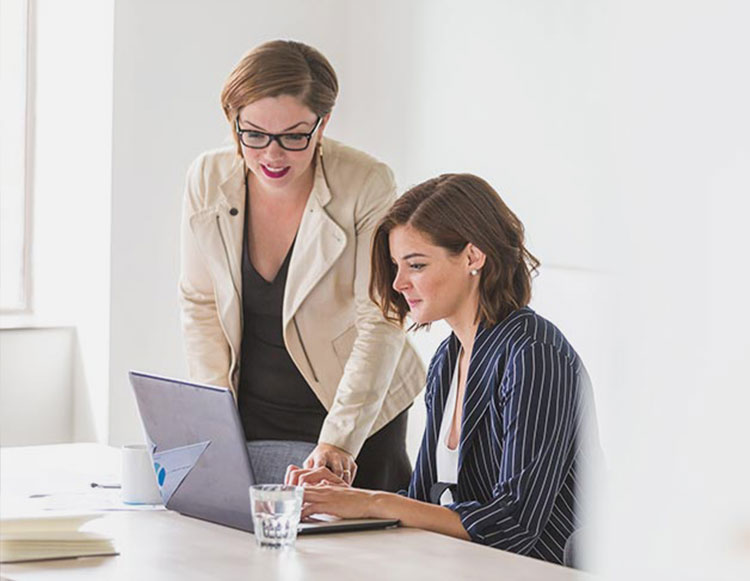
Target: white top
[[445, 457]]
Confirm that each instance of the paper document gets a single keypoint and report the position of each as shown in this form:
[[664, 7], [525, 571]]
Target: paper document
[[173, 465], [37, 538]]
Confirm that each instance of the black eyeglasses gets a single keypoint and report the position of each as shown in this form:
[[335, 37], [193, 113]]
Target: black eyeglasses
[[289, 141]]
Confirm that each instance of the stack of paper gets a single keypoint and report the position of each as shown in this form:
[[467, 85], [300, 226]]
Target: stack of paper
[[50, 537]]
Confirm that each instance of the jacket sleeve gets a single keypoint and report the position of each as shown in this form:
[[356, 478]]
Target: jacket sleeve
[[538, 394], [376, 351], [206, 348]]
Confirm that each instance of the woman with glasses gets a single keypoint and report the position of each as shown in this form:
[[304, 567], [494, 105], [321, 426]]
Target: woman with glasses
[[276, 237], [510, 422]]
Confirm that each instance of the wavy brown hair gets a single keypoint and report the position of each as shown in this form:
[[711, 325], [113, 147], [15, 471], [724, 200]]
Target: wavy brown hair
[[276, 68], [453, 210]]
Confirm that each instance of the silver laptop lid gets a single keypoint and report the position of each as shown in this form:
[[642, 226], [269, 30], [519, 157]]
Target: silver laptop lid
[[200, 454], [198, 447]]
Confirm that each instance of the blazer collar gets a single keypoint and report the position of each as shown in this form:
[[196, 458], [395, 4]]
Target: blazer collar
[[439, 382], [484, 378], [320, 184], [233, 187], [444, 377], [320, 241], [478, 395]]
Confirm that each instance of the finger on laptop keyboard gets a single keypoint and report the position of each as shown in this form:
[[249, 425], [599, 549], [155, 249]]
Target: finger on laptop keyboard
[[291, 476]]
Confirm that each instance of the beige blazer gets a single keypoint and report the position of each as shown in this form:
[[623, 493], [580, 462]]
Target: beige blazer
[[359, 365]]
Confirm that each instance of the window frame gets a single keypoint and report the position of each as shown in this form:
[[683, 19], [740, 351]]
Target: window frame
[[27, 295]]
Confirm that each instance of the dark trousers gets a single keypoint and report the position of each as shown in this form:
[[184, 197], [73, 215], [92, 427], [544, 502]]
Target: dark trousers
[[382, 463]]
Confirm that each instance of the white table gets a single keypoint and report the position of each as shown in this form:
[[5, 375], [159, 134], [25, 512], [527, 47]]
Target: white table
[[165, 545]]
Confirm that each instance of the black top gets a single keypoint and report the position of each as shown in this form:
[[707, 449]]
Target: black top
[[275, 401]]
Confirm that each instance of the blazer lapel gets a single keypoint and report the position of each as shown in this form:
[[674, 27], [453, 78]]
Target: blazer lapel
[[219, 234], [320, 241], [233, 189], [438, 386], [478, 391], [441, 387]]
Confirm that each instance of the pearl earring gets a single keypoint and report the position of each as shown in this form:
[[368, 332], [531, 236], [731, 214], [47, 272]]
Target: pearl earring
[[474, 272]]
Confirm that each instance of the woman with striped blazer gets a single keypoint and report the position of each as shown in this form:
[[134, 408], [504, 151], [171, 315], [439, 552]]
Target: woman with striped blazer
[[510, 421]]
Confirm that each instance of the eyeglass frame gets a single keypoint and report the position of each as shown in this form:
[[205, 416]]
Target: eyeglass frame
[[275, 136]]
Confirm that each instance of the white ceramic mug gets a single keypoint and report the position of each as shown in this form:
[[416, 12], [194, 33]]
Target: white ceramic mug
[[138, 477]]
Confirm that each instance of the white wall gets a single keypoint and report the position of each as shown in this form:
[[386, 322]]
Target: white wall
[[36, 392], [72, 80], [618, 131], [421, 100], [680, 135]]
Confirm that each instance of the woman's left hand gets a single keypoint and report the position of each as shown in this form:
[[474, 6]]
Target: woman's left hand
[[338, 501], [338, 461]]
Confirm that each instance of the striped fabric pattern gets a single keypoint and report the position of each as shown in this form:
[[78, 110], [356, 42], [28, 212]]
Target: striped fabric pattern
[[527, 403]]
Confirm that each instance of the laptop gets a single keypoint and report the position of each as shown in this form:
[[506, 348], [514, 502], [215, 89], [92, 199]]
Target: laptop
[[198, 448]]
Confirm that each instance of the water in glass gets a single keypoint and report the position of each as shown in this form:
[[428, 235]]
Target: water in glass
[[276, 513]]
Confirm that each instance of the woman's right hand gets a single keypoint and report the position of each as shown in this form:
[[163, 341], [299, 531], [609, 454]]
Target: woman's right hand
[[297, 476], [340, 501]]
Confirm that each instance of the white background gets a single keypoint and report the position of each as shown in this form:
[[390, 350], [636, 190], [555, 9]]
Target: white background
[[618, 131]]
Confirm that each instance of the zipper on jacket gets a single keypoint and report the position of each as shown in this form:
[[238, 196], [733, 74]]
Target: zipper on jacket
[[309, 363]]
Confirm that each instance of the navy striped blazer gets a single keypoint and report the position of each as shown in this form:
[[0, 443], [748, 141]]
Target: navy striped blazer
[[526, 409]]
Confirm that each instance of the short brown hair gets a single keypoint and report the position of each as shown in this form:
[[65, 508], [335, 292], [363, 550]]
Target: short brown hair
[[453, 210], [280, 67]]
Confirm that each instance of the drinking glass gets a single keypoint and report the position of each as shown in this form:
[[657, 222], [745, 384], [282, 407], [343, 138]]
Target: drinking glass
[[276, 512]]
